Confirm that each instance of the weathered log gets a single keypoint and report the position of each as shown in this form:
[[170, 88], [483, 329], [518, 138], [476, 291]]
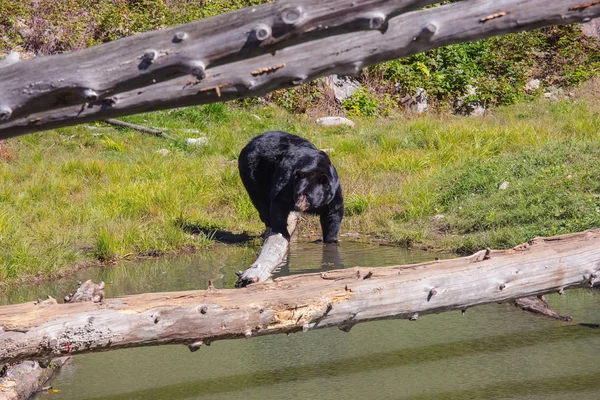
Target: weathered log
[[295, 64], [95, 74], [271, 255], [25, 379], [340, 298], [140, 128]]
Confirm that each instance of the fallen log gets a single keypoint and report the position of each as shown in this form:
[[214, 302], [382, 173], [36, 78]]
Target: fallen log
[[296, 303], [260, 71], [25, 379], [271, 255]]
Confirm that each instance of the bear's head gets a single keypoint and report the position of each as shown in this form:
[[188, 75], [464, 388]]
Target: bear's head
[[312, 190]]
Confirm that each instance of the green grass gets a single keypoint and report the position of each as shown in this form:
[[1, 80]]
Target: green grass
[[98, 193]]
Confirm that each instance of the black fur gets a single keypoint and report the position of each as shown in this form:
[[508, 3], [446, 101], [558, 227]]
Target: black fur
[[284, 172]]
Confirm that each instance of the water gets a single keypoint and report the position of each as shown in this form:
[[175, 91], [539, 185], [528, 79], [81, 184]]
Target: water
[[492, 352]]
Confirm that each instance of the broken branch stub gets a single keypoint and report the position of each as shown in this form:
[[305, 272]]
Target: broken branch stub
[[300, 302], [348, 53]]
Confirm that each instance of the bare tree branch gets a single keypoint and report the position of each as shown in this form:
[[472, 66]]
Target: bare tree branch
[[404, 35], [94, 74]]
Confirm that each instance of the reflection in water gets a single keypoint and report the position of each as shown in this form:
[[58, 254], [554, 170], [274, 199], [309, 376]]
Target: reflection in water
[[492, 352]]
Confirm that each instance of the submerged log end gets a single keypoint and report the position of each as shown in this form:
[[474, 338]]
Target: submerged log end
[[271, 255]]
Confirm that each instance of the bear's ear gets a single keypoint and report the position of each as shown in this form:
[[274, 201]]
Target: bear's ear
[[324, 180]]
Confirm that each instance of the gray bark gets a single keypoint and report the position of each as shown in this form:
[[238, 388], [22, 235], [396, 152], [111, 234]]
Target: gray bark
[[24, 380], [340, 298], [310, 52], [95, 74], [272, 254]]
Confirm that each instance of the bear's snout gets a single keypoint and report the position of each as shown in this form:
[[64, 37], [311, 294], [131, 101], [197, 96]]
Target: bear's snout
[[301, 203]]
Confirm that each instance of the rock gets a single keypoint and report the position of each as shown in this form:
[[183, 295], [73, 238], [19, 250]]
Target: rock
[[477, 110], [201, 141], [503, 186], [334, 121], [532, 85], [591, 28], [438, 217], [554, 93], [342, 86], [421, 103], [163, 152], [471, 90]]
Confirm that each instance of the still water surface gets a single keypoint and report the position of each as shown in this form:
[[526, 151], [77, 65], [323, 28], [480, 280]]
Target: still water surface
[[492, 352]]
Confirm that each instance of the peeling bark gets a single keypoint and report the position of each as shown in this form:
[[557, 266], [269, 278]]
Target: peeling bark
[[340, 298], [349, 45]]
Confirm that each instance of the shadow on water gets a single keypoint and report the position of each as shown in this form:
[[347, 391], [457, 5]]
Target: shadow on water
[[411, 356]]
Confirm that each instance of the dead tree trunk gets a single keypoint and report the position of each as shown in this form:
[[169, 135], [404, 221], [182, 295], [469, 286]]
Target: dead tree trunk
[[340, 298], [233, 55]]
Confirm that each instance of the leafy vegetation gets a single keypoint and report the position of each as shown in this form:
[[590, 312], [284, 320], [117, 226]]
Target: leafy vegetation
[[98, 193]]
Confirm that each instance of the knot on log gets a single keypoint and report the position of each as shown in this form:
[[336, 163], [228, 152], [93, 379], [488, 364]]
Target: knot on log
[[180, 37], [197, 69], [195, 346], [375, 21], [291, 15], [147, 59], [427, 33], [262, 32], [89, 95], [5, 112]]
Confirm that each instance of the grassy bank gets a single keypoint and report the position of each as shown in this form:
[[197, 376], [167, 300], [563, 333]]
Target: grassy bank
[[90, 193]]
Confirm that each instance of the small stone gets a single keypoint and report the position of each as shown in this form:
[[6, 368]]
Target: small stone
[[421, 103], [201, 141], [503, 186], [334, 121], [163, 152], [533, 84], [438, 217], [477, 110], [343, 87]]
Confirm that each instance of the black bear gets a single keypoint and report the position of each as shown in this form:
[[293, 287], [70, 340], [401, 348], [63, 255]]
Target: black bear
[[284, 172]]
